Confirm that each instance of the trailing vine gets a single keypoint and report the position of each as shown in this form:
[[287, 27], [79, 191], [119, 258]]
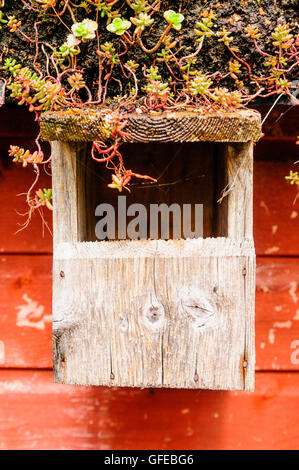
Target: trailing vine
[[128, 55]]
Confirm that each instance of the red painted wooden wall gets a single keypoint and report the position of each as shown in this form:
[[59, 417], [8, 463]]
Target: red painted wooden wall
[[35, 413]]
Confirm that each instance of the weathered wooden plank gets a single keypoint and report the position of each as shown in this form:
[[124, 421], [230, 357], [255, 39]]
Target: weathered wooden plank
[[209, 303], [235, 182], [282, 122], [118, 302], [98, 326], [39, 414], [68, 193], [180, 126]]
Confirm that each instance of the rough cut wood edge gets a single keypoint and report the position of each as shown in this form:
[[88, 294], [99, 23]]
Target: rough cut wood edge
[[236, 200], [68, 192], [153, 248], [179, 126]]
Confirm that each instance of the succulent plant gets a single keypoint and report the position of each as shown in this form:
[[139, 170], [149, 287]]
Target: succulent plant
[[174, 19], [85, 30], [142, 21], [119, 26]]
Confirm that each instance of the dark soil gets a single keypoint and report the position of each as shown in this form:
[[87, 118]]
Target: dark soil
[[214, 56]]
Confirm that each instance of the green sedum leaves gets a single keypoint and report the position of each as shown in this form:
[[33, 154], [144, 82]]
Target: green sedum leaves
[[174, 19], [85, 30], [119, 26], [142, 21]]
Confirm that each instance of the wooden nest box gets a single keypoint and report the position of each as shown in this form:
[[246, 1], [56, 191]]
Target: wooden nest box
[[153, 312]]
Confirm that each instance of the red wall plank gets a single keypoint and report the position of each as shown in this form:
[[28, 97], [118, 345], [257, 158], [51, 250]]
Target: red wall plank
[[25, 305], [281, 122], [17, 121], [276, 217], [41, 415], [16, 180], [277, 313]]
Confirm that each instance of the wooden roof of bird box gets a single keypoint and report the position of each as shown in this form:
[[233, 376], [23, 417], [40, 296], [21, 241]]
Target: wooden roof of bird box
[[154, 311]]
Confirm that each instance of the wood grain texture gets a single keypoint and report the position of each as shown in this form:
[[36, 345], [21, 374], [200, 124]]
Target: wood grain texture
[[239, 200], [68, 192], [179, 126], [39, 414], [155, 313]]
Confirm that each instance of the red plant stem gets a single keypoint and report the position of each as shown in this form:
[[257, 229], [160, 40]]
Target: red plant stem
[[135, 82], [128, 38], [172, 74], [123, 72], [64, 8], [144, 177], [126, 48], [106, 84], [242, 61], [179, 105], [265, 54], [36, 47], [56, 14], [25, 36], [153, 49], [28, 199], [100, 86], [28, 6], [192, 55], [289, 69]]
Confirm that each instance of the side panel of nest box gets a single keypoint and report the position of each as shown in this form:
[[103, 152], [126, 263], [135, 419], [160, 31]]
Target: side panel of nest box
[[154, 313]]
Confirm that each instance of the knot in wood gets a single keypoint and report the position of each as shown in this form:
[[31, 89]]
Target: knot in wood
[[198, 308], [123, 324], [154, 315]]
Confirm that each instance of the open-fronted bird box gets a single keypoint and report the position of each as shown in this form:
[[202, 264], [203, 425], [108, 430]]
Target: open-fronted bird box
[[155, 311]]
